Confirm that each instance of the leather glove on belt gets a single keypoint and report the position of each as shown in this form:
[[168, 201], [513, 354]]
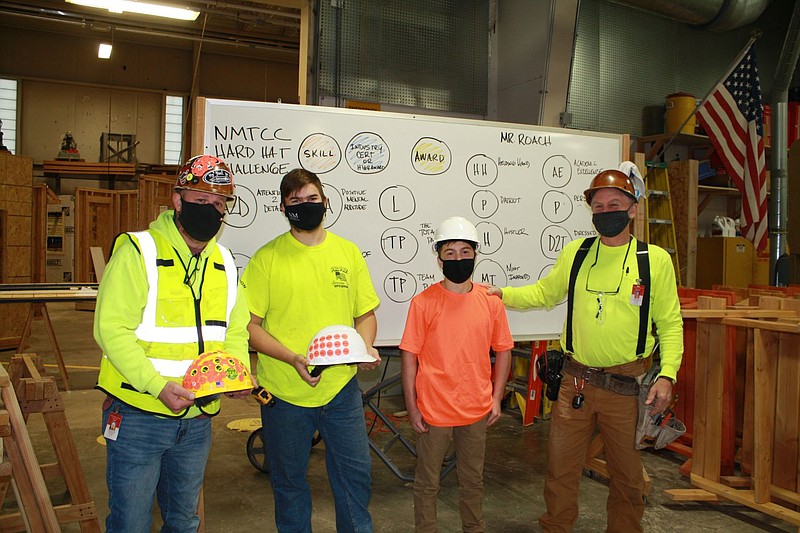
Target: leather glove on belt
[[624, 385]]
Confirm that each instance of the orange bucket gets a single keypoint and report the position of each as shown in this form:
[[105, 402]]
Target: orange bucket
[[679, 106]]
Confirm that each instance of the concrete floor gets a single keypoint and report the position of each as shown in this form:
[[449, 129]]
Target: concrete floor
[[238, 497]]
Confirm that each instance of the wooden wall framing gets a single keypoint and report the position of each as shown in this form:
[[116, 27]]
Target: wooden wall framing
[[101, 216], [770, 455]]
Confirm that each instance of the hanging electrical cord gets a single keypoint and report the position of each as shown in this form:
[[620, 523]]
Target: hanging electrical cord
[[337, 67], [184, 148], [110, 98]]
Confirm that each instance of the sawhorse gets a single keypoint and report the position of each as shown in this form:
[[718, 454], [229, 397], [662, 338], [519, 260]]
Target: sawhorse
[[26, 391], [39, 310]]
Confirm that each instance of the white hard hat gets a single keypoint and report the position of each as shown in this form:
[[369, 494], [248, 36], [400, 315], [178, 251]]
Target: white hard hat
[[335, 345], [456, 229]]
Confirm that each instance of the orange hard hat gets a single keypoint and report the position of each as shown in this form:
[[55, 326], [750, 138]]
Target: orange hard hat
[[610, 179], [206, 173]]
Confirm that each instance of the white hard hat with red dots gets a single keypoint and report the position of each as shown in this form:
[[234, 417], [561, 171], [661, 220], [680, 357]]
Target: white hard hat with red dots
[[336, 345]]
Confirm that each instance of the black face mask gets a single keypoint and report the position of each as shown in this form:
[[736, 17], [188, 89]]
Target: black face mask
[[458, 270], [611, 223], [305, 216], [200, 221]]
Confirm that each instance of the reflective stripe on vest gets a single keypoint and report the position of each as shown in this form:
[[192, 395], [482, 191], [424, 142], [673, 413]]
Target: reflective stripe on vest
[[171, 369], [147, 330]]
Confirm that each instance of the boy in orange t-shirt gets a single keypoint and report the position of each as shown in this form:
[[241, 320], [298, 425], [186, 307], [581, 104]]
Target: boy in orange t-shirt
[[447, 375]]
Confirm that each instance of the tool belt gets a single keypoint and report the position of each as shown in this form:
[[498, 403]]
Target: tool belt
[[621, 380]]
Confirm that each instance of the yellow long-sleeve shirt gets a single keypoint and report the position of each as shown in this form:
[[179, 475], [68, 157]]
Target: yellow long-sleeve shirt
[[605, 325]]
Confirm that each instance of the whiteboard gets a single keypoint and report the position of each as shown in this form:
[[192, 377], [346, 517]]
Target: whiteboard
[[392, 178]]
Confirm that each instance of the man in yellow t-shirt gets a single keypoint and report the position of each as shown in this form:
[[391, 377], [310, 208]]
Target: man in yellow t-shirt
[[300, 282], [447, 375]]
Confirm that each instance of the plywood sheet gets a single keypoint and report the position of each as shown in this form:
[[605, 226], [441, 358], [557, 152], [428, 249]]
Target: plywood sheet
[[16, 170], [18, 261], [16, 193], [19, 231], [13, 208]]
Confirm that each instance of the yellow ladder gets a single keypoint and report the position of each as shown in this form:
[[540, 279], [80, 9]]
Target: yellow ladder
[[660, 227]]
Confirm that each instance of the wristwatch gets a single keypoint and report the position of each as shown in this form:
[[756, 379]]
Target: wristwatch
[[667, 377]]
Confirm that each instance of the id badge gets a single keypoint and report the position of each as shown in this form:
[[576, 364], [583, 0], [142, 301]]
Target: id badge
[[112, 426], [637, 294]]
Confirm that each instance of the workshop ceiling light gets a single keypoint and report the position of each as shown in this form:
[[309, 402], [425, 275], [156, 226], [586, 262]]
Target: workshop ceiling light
[[142, 8], [104, 51]]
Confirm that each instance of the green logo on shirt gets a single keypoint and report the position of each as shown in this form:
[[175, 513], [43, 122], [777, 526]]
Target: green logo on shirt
[[340, 277]]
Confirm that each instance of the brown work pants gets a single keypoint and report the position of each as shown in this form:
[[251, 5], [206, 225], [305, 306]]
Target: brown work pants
[[571, 431], [470, 449]]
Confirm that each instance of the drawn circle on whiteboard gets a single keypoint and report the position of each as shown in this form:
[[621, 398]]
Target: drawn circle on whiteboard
[[430, 156], [484, 203], [553, 240], [242, 211], [556, 206], [490, 272], [399, 245], [319, 153], [491, 237], [400, 286], [335, 204], [367, 153], [240, 260], [481, 170], [397, 203], [557, 171]]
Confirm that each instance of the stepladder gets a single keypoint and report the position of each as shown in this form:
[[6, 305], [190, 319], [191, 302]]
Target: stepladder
[[660, 227]]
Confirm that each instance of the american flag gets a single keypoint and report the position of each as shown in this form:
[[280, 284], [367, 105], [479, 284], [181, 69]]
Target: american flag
[[732, 117]]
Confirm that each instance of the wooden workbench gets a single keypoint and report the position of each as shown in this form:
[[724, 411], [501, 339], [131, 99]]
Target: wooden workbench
[[38, 295]]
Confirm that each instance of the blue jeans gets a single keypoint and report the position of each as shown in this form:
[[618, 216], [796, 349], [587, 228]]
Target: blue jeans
[[288, 430], [155, 456]]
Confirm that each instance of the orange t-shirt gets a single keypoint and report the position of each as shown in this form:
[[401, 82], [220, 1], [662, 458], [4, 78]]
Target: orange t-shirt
[[451, 335]]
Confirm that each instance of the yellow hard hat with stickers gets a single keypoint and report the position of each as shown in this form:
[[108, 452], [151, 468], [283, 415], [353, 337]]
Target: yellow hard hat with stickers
[[217, 372]]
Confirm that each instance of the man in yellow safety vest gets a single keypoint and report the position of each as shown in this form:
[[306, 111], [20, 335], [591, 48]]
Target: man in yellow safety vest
[[168, 295]]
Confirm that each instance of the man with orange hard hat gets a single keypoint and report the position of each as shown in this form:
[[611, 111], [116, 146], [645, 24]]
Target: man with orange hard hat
[[167, 297], [618, 290]]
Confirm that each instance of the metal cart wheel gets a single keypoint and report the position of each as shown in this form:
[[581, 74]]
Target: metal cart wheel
[[257, 452]]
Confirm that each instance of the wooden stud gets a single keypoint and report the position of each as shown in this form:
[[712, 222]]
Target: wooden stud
[[709, 387], [691, 495], [787, 406]]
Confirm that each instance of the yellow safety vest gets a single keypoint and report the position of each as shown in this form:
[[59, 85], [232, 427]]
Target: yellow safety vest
[[175, 328]]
